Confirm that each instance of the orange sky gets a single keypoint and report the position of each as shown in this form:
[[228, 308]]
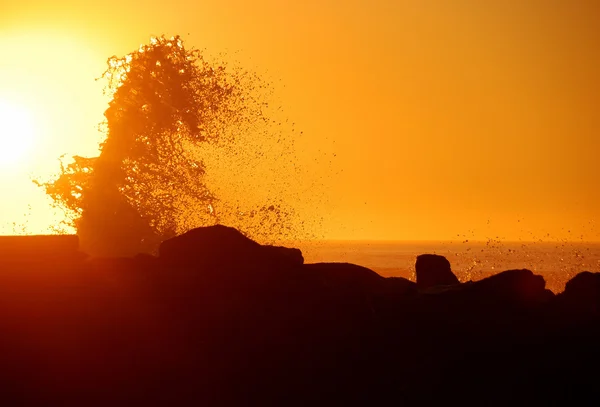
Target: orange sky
[[447, 118]]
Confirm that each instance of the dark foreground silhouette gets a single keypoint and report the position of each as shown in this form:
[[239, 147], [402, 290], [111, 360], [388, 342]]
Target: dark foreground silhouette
[[217, 319]]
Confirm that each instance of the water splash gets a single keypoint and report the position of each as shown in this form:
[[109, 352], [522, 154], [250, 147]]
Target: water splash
[[201, 141], [254, 168]]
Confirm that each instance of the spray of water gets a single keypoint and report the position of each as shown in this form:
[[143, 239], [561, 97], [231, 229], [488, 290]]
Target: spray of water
[[190, 141]]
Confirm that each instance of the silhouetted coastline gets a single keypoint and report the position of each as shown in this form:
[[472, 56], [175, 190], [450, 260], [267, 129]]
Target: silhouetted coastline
[[218, 319]]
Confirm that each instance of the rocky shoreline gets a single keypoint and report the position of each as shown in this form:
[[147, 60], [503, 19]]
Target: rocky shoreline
[[218, 319]]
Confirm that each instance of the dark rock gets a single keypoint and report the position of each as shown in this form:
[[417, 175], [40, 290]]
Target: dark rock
[[356, 287], [346, 276], [582, 293], [398, 286], [433, 270], [222, 246], [282, 256], [155, 333], [501, 297], [207, 246], [519, 285]]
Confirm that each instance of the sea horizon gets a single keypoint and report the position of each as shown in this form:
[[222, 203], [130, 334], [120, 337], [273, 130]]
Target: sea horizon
[[556, 261]]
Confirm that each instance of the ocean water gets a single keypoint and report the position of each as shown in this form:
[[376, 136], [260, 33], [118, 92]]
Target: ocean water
[[557, 262]]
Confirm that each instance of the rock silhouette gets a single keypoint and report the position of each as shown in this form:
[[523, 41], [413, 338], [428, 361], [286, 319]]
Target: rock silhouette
[[433, 270], [219, 320], [222, 246], [582, 293]]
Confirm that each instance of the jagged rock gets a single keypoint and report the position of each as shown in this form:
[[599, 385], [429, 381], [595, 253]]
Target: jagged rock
[[222, 246], [433, 270]]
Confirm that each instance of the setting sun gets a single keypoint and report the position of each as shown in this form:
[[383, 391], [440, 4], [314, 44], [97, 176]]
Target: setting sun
[[16, 133]]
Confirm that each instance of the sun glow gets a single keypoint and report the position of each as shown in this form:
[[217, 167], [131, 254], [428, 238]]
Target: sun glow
[[50, 106], [17, 133]]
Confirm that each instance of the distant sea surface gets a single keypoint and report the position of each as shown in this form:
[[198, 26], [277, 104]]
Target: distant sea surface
[[557, 262]]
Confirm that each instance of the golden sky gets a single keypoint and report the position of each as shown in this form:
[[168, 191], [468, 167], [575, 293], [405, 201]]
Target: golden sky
[[448, 119]]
